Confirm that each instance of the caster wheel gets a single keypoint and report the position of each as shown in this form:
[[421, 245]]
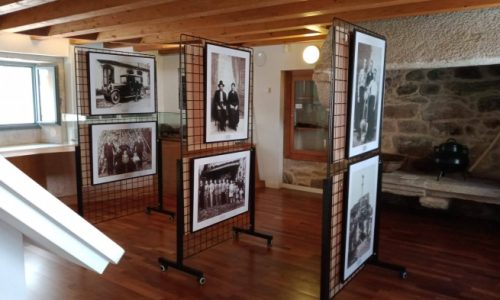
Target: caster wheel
[[170, 218], [163, 268], [202, 280], [269, 243], [148, 211], [235, 235], [403, 275]]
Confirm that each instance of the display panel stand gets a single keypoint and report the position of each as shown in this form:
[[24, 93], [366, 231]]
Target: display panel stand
[[179, 262], [333, 186], [375, 260], [251, 230], [194, 105]]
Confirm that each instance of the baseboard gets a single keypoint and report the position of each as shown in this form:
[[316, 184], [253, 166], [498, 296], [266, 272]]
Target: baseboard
[[301, 188]]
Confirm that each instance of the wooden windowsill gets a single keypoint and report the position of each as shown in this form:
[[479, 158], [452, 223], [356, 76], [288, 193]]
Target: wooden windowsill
[[33, 149]]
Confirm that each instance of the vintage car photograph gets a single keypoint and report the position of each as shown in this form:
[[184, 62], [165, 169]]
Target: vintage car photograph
[[121, 84]]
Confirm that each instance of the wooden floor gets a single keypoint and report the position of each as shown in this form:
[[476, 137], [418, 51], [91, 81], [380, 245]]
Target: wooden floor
[[447, 258]]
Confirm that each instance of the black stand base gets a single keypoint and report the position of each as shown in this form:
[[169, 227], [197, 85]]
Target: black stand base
[[397, 268], [160, 210], [252, 232], [165, 263]]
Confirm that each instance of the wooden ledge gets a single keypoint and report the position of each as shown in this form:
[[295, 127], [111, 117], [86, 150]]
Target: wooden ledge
[[33, 149], [424, 185]]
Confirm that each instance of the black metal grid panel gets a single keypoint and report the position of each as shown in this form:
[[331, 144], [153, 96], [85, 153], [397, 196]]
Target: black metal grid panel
[[337, 163], [192, 104], [106, 201]]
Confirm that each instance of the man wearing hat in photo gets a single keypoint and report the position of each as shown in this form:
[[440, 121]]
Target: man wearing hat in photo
[[219, 106]]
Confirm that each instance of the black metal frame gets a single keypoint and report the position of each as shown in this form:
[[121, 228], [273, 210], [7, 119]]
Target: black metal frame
[[83, 158], [333, 185], [189, 243], [251, 207], [179, 261]]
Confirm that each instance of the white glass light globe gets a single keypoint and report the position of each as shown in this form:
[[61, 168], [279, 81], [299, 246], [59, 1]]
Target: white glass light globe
[[310, 54]]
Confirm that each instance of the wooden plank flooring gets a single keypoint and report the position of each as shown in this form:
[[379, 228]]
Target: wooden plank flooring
[[447, 258]]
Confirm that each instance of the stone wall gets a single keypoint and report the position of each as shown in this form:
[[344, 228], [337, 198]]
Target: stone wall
[[304, 173], [425, 107]]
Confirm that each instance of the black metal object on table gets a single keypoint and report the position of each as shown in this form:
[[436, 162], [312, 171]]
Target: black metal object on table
[[451, 157]]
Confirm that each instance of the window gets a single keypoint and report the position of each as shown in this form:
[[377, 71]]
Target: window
[[29, 95], [306, 120]]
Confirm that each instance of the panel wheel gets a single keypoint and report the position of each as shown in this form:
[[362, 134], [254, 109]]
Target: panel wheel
[[163, 268], [403, 274], [202, 280]]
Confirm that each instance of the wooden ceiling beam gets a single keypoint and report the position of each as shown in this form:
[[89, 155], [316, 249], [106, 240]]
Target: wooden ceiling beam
[[317, 38], [289, 11], [160, 14], [270, 36], [10, 6], [67, 10]]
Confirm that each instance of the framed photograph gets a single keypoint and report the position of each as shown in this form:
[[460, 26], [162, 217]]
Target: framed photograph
[[366, 93], [123, 150], [121, 84], [359, 215], [227, 84], [221, 185]]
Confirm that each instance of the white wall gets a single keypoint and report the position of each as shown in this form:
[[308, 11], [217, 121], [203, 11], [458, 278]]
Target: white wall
[[53, 50], [268, 105]]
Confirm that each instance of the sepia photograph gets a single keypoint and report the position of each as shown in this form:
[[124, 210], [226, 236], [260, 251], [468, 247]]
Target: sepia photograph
[[366, 93], [359, 215], [227, 84], [221, 184], [121, 84], [123, 150]]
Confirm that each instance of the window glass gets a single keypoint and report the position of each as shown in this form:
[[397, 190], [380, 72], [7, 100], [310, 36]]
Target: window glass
[[17, 105]]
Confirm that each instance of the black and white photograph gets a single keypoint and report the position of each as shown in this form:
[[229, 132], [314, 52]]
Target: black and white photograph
[[366, 93], [121, 84], [121, 151], [359, 218], [221, 185], [227, 84]]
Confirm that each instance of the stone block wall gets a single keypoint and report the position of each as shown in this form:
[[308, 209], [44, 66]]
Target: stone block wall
[[425, 107], [304, 173]]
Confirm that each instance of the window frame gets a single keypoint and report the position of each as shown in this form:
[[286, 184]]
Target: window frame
[[289, 130], [37, 123]]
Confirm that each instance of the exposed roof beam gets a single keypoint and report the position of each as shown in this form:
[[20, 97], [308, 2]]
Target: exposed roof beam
[[67, 10], [259, 15], [160, 14], [10, 6]]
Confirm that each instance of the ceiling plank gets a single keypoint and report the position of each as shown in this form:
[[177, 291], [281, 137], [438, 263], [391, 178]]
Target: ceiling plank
[[67, 10], [162, 13], [324, 20], [9, 6], [270, 36], [285, 41], [259, 15]]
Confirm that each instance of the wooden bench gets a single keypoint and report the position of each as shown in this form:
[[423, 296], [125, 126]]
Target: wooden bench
[[438, 194]]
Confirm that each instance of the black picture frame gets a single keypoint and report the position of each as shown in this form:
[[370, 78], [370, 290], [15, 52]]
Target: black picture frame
[[131, 146], [226, 66], [232, 172], [121, 84], [366, 93], [360, 215]]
